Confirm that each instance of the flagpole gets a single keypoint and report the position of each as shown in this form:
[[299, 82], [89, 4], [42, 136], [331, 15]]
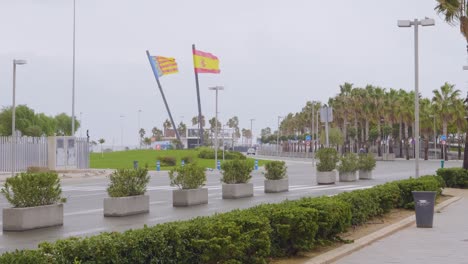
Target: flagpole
[[200, 127], [164, 98]]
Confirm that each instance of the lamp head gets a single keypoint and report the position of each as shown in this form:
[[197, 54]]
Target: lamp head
[[427, 22], [404, 23], [19, 62]]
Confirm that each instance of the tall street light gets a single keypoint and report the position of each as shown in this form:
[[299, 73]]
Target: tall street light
[[216, 88], [251, 132], [73, 78], [13, 117], [416, 23]]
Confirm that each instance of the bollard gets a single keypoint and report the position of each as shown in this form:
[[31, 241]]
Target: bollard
[[442, 163], [158, 165], [256, 164], [183, 163], [219, 165], [135, 164]]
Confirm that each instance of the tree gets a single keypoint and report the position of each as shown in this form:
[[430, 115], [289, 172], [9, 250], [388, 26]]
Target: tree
[[147, 141], [335, 137], [64, 124], [195, 120], [101, 141], [142, 134], [182, 128], [166, 125], [157, 133], [455, 11], [444, 104]]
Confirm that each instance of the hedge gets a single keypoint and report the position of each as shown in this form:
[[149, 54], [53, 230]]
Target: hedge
[[454, 177], [241, 236]]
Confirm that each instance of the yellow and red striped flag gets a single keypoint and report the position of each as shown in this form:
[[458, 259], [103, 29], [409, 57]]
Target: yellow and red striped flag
[[164, 65], [205, 62]]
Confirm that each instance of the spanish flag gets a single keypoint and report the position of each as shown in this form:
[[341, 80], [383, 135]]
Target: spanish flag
[[164, 65], [205, 62]]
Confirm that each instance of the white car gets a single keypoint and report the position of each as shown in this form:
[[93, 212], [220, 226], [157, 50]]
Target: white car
[[251, 151]]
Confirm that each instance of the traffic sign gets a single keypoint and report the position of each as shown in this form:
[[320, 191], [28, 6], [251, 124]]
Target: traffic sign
[[307, 143], [443, 137], [308, 137], [443, 142]]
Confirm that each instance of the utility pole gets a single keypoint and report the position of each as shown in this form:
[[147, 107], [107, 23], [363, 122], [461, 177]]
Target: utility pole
[[251, 132]]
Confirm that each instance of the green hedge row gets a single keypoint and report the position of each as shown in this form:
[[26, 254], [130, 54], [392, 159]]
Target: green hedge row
[[454, 177], [241, 236]]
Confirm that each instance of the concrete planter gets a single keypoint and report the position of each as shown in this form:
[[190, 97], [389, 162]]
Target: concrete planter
[[189, 197], [123, 206], [237, 190], [365, 175], [326, 177], [275, 186], [347, 176], [21, 219]]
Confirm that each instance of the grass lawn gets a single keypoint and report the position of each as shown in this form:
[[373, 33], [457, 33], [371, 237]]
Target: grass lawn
[[124, 159]]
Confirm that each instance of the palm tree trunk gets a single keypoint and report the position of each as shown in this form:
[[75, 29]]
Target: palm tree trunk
[[465, 153], [444, 129], [400, 137], [406, 141], [356, 129], [426, 147]]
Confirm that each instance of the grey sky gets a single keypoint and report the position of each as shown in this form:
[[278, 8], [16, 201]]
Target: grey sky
[[274, 56]]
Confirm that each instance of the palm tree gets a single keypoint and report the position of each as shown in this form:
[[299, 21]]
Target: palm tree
[[142, 134], [101, 141], [459, 122], [455, 11], [182, 128], [157, 133]]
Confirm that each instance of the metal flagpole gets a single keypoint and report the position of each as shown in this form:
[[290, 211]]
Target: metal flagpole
[[200, 127], [164, 98]]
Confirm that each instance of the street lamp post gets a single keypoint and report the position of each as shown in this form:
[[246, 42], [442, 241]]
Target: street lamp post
[[13, 117], [73, 78], [121, 130], [416, 23], [251, 132], [216, 88]]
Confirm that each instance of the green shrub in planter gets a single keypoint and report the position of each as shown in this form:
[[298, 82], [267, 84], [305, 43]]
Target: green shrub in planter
[[348, 163], [236, 171], [33, 189], [128, 182], [366, 162], [423, 183], [293, 228], [454, 177], [168, 161], [190, 176], [275, 170], [328, 157], [209, 153], [364, 205]]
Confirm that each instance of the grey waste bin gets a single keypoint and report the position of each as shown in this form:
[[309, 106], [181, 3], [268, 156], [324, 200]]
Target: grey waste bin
[[424, 205]]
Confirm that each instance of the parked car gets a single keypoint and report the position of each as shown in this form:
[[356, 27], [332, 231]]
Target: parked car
[[251, 151]]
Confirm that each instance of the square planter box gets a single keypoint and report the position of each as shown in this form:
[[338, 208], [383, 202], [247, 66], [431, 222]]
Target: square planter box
[[275, 186], [237, 190], [189, 197], [122, 206], [326, 177], [21, 219], [365, 175], [347, 176]]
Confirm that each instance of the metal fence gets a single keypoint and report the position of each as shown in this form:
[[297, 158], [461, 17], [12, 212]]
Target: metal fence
[[33, 152]]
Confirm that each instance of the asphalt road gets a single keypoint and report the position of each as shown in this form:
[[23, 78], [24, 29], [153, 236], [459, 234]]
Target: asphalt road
[[84, 214]]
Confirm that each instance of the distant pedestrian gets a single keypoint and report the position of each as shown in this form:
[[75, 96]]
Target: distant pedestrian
[[361, 150]]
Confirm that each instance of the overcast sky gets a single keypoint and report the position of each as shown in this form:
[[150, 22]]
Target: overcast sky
[[274, 56]]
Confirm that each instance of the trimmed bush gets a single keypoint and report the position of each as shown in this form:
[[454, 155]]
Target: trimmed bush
[[293, 228], [168, 161], [334, 215], [275, 170], [33, 189], [190, 176], [209, 153], [187, 159], [348, 163], [363, 205], [328, 157], [423, 183], [366, 162], [454, 177], [128, 182], [236, 171]]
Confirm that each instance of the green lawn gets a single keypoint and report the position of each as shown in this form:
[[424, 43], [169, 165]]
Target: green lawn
[[124, 159]]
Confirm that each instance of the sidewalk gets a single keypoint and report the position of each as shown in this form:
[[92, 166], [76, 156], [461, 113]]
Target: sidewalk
[[446, 242], [71, 174]]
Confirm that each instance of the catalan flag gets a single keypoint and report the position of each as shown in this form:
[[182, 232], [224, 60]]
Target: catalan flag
[[164, 65], [205, 62]]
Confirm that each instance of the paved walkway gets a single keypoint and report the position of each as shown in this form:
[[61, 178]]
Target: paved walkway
[[446, 242]]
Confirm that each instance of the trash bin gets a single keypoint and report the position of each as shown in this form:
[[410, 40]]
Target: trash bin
[[424, 206], [135, 164], [442, 163]]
